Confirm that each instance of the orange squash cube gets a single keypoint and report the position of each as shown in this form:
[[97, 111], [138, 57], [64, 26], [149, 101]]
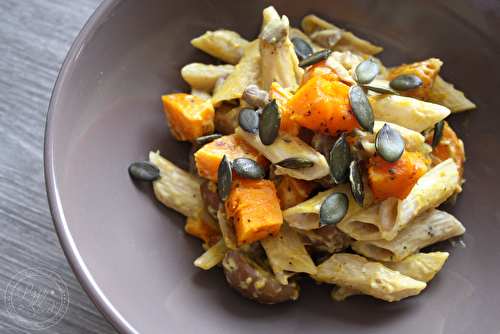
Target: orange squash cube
[[188, 116], [255, 209]]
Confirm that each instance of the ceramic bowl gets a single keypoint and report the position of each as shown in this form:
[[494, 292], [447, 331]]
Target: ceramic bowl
[[131, 253]]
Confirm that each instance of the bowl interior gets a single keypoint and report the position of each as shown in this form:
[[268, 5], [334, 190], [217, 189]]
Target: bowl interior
[[131, 253]]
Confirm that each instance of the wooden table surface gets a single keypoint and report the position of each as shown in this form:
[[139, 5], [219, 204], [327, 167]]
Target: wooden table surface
[[35, 36]]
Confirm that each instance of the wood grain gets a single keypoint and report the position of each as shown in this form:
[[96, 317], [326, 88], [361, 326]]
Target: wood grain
[[35, 36]]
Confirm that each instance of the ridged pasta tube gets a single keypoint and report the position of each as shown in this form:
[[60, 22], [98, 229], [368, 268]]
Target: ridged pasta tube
[[431, 190], [226, 45], [428, 228], [371, 278], [422, 267], [287, 254], [305, 216], [287, 146], [178, 189], [410, 113]]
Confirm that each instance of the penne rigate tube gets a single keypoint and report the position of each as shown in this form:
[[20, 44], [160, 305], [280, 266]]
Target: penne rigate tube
[[305, 216], [177, 189], [422, 267], [247, 72], [287, 146], [334, 38], [371, 278], [447, 95], [428, 228], [431, 190], [269, 14], [225, 45], [414, 141], [213, 256], [204, 77], [362, 225], [277, 54], [287, 254], [410, 113]]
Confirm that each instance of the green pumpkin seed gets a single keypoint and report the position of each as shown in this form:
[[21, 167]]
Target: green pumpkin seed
[[144, 171], [295, 163], [302, 48], [406, 82], [269, 123], [362, 108], [224, 178], [438, 133], [248, 168], [380, 89], [366, 71], [248, 119], [357, 188], [207, 139], [340, 157], [389, 144], [333, 209], [315, 58]]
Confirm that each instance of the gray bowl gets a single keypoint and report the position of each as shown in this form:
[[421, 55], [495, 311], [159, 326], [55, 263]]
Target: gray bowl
[[131, 254]]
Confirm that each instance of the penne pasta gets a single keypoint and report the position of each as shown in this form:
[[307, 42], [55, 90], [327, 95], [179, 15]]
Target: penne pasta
[[225, 45], [287, 254], [446, 94], [287, 146], [422, 267], [431, 190], [363, 225], [213, 256], [180, 190], [204, 77], [410, 113], [371, 278], [428, 228], [414, 141], [331, 37], [278, 59], [247, 72], [305, 216], [269, 14]]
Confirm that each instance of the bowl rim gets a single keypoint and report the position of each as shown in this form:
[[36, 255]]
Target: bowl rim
[[58, 217]]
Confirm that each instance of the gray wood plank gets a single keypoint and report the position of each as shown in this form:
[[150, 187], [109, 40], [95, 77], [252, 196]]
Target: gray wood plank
[[35, 36]]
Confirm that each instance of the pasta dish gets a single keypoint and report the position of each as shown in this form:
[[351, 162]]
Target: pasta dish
[[313, 160]]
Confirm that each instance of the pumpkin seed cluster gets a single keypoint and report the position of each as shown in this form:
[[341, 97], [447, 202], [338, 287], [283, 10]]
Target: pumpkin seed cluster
[[244, 167], [389, 144], [366, 72]]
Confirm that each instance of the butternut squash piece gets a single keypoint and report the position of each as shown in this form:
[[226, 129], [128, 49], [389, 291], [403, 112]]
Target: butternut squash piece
[[323, 106], [188, 116], [204, 227], [319, 70], [255, 209], [395, 179], [450, 146], [293, 191], [210, 155], [426, 70], [282, 96]]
